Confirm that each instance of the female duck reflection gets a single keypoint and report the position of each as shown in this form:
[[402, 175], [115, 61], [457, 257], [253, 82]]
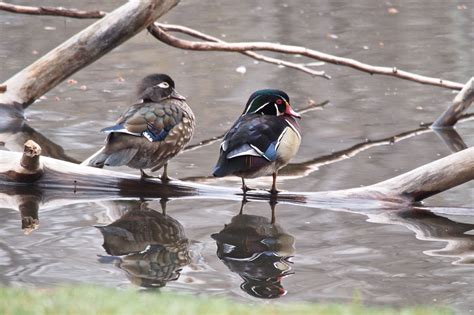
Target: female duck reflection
[[153, 245], [259, 250]]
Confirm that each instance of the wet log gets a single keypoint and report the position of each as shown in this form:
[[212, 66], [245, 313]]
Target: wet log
[[79, 51], [460, 103], [68, 180]]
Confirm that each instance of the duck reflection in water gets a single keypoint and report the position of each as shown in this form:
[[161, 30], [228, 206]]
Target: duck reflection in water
[[153, 245], [259, 250]]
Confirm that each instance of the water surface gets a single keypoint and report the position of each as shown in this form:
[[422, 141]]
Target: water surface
[[402, 257]]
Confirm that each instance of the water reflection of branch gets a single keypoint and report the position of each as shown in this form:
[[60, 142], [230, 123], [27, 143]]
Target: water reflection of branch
[[310, 107], [297, 170], [429, 226], [14, 133]]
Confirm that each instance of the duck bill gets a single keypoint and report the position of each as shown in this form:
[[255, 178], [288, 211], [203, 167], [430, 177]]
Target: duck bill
[[291, 112], [177, 96]]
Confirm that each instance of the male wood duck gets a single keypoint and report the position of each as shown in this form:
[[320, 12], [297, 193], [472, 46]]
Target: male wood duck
[[151, 131], [263, 140]]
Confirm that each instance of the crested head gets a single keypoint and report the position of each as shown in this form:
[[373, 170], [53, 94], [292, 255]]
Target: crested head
[[269, 102], [156, 87]]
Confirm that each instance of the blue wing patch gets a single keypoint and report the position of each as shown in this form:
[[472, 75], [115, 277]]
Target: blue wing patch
[[152, 135]]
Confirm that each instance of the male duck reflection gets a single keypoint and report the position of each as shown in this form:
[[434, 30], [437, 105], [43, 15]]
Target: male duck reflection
[[263, 140], [259, 251], [153, 245], [151, 131]]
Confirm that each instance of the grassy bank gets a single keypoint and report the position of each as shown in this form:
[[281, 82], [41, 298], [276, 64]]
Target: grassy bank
[[87, 300]]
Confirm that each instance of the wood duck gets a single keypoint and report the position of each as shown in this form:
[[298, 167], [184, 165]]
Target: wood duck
[[263, 140], [151, 131]]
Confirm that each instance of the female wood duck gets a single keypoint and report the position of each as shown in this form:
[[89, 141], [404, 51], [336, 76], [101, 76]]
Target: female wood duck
[[151, 131], [263, 140]]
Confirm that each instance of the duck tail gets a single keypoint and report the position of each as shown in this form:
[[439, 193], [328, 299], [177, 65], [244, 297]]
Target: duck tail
[[225, 167], [97, 159]]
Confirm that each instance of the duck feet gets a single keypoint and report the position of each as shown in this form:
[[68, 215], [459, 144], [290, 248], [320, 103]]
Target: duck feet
[[164, 177], [145, 175], [244, 187], [274, 189]]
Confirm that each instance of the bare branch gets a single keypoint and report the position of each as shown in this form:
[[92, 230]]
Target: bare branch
[[298, 50], [460, 103], [251, 54], [211, 45], [303, 169], [56, 11]]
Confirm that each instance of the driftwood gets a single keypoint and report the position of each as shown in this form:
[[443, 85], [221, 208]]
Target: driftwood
[[460, 103], [79, 51], [77, 180], [160, 31]]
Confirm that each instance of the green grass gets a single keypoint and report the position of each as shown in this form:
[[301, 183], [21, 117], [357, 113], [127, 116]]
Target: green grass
[[91, 300]]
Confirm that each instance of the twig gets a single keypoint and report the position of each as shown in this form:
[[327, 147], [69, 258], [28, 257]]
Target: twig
[[56, 11], [460, 103], [251, 54], [165, 37], [287, 49]]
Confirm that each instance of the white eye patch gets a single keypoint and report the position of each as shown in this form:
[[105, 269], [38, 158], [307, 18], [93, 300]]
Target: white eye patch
[[164, 85]]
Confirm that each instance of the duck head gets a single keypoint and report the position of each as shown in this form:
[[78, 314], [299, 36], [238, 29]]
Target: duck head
[[270, 102], [157, 87]]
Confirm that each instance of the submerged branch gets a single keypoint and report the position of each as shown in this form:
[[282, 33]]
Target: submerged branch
[[303, 169]]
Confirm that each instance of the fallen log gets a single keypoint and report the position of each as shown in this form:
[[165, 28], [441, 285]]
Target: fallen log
[[79, 51], [67, 180], [460, 103]]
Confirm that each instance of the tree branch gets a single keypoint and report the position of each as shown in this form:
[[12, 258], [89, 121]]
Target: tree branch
[[165, 37], [251, 54], [81, 50], [56, 11], [66, 178], [245, 48], [460, 103], [303, 169]]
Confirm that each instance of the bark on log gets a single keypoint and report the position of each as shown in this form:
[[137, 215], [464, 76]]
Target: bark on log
[[460, 103], [80, 50], [76, 180]]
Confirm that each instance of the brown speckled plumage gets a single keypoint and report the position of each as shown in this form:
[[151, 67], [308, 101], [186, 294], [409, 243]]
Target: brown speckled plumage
[[150, 132]]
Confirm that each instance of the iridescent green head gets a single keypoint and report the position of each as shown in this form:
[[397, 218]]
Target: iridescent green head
[[269, 102]]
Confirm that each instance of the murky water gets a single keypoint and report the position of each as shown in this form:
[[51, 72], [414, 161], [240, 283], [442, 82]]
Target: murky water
[[396, 258]]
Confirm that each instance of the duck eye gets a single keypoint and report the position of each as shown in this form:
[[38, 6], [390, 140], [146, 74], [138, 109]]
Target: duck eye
[[164, 85], [279, 101]]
